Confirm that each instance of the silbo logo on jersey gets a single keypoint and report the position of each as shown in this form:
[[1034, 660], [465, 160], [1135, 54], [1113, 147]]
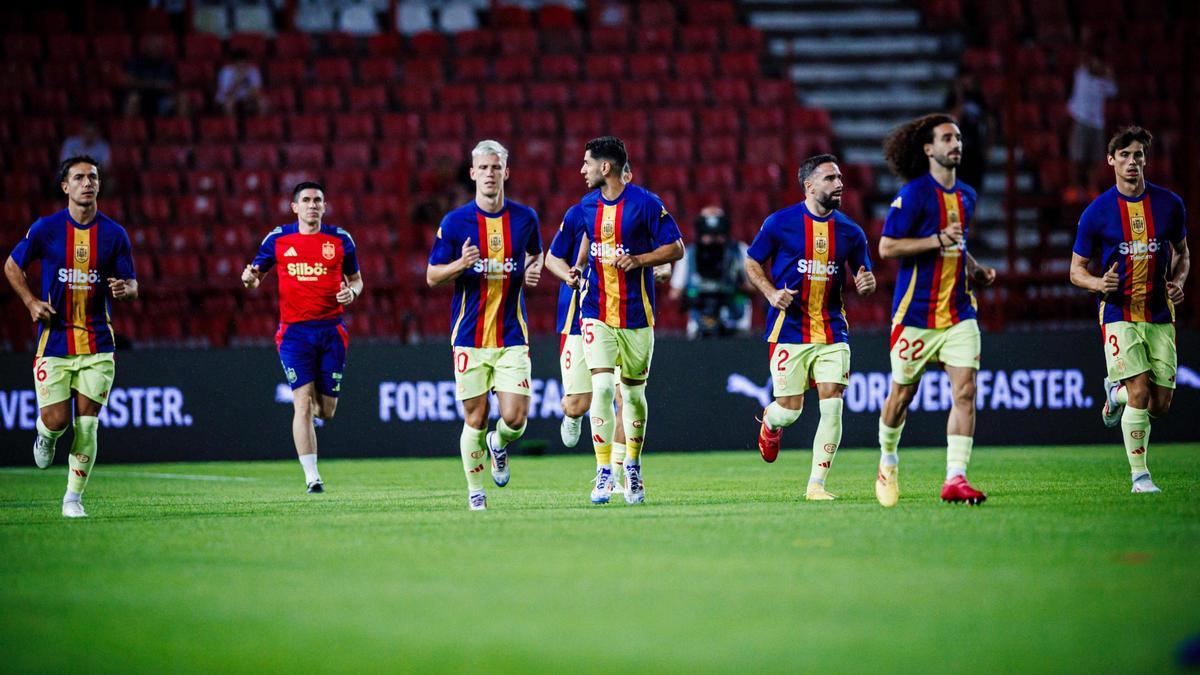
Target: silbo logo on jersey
[[306, 271], [816, 269]]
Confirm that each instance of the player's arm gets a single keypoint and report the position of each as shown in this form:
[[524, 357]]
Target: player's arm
[[667, 253], [903, 247], [980, 274], [779, 298], [123, 289], [39, 310], [1179, 271], [436, 275], [352, 287], [252, 276], [1081, 277]]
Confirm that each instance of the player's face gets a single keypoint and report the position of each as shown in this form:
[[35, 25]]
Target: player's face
[[1129, 162], [309, 206], [825, 185], [82, 185], [489, 174], [592, 170], [946, 148]]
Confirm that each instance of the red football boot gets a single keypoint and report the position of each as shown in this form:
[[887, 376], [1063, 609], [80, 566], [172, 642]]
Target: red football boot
[[957, 489], [768, 441]]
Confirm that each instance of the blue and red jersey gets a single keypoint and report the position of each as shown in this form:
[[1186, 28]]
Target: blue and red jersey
[[566, 246], [311, 269], [813, 256], [77, 261], [1139, 235], [932, 289], [634, 223], [488, 309]]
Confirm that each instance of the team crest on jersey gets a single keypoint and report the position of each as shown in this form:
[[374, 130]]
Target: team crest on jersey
[[496, 242], [952, 217], [608, 227], [327, 250], [821, 245], [81, 253], [1136, 223]]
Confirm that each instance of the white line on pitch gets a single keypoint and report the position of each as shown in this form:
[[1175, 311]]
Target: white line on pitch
[[143, 474]]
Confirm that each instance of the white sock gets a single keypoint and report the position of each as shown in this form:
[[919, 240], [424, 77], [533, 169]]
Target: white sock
[[72, 496], [309, 462]]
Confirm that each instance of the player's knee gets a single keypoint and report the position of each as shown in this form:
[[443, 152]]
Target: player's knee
[[516, 420], [604, 389], [56, 420], [1160, 405], [575, 405], [327, 409], [964, 394]]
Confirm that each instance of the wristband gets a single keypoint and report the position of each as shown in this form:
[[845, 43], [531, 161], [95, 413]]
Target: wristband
[[941, 244]]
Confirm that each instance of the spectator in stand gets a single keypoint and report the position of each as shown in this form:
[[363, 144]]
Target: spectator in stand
[[711, 280], [87, 142], [150, 83], [965, 102], [1094, 84], [239, 86]]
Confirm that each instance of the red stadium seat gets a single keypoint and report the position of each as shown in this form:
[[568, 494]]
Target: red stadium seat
[[173, 130], [220, 129], [178, 267], [292, 46], [739, 65], [335, 71], [308, 128], [536, 152], [587, 123], [698, 66], [322, 99], [127, 131], [765, 150], [354, 126], [751, 207], [644, 95], [699, 38], [555, 17], [351, 155], [475, 42], [673, 148], [743, 39], [721, 149], [423, 71], [183, 237], [518, 41], [559, 67], [66, 47], [155, 208], [368, 99], [506, 96], [60, 74], [445, 125], [160, 182], [264, 129], [685, 92], [23, 47], [304, 156], [650, 67], [401, 156], [286, 71], [19, 74], [514, 68], [259, 156], [714, 177], [549, 94], [673, 121], [654, 38], [767, 119], [718, 13], [719, 122], [168, 157], [815, 120], [606, 39], [38, 131], [657, 13], [459, 97], [397, 126], [730, 92], [759, 176], [214, 157], [774, 93], [496, 124], [470, 69], [663, 177], [206, 181], [376, 71], [539, 124], [345, 183], [246, 208], [455, 150], [251, 43], [634, 122], [604, 66], [197, 208], [197, 47], [281, 99]]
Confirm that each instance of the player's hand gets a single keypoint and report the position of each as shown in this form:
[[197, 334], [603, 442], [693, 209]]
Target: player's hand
[[782, 298], [1111, 280], [1175, 292], [344, 295], [984, 276], [864, 281], [627, 262], [470, 254], [952, 234], [40, 310], [533, 275], [120, 288], [250, 277], [662, 272], [576, 277]]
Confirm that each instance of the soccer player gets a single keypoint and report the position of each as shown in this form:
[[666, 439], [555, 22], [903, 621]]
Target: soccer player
[[318, 276], [489, 333], [811, 247], [1140, 231], [81, 250], [933, 311], [628, 232]]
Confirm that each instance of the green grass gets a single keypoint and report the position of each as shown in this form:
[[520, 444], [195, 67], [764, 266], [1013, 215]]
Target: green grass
[[726, 568]]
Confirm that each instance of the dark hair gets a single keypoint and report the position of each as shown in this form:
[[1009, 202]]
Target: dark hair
[[69, 162], [307, 185], [610, 148], [1127, 135], [904, 147], [810, 165]]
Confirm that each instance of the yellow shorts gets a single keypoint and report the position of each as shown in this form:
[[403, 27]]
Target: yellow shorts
[[795, 366], [1132, 348], [914, 348], [631, 349], [478, 370], [576, 378], [89, 374]]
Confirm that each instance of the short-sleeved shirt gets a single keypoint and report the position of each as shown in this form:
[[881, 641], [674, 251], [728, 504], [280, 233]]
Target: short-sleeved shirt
[[311, 268], [565, 246], [813, 256], [636, 222], [932, 289], [77, 261], [1138, 234], [488, 309]]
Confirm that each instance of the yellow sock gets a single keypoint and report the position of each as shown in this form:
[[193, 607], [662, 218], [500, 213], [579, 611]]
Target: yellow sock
[[633, 415], [83, 453], [1135, 430]]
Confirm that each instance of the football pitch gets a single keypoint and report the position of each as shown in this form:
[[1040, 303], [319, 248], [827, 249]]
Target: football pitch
[[231, 567]]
